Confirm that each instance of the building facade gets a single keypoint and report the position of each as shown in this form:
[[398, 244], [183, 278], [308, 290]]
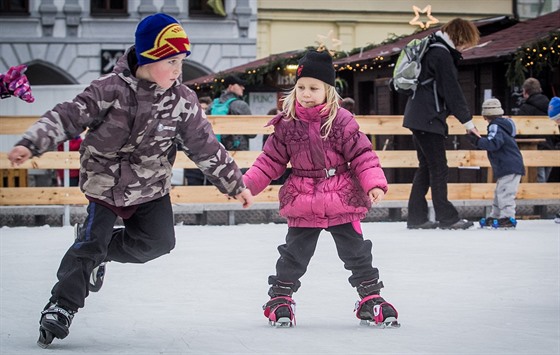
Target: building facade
[[76, 41]]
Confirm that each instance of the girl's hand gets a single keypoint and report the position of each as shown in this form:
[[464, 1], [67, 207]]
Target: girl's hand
[[245, 197], [376, 195], [18, 155]]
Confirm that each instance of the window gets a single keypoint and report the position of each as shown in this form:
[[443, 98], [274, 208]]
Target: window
[[14, 7], [109, 7], [199, 8]]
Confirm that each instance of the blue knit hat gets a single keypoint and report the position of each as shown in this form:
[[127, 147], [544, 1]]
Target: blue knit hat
[[158, 37], [554, 108]]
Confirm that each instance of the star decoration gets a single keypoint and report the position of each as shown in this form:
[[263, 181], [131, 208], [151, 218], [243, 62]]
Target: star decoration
[[428, 11], [335, 43]]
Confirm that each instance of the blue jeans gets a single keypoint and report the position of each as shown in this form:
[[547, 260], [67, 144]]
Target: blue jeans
[[432, 173]]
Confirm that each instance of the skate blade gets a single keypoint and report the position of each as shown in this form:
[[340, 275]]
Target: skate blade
[[389, 323], [283, 322], [45, 338]]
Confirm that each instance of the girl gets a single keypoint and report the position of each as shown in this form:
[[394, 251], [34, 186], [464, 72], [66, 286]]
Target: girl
[[335, 178]]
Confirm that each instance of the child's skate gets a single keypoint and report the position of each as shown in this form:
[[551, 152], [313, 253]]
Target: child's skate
[[372, 309], [280, 312], [54, 323], [281, 308], [504, 223], [96, 277], [487, 222]]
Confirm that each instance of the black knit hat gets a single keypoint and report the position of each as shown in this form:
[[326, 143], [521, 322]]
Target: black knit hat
[[316, 65]]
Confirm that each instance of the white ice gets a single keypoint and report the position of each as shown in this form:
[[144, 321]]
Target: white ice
[[457, 292]]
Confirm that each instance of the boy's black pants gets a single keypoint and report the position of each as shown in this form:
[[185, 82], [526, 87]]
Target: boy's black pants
[[300, 245], [147, 234]]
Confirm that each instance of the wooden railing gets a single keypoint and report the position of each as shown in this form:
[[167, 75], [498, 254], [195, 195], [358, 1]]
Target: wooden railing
[[374, 125]]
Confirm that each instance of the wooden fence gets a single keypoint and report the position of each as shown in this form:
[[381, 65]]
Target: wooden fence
[[478, 192]]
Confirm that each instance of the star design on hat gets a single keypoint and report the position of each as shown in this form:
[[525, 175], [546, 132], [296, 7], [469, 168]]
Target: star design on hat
[[335, 43], [428, 11]]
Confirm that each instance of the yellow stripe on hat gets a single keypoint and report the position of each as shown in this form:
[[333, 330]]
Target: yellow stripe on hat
[[170, 41]]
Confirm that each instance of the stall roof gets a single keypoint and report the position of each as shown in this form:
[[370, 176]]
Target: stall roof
[[203, 80], [494, 45], [500, 36]]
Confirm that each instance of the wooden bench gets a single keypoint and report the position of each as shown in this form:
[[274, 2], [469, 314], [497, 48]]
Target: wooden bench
[[201, 199]]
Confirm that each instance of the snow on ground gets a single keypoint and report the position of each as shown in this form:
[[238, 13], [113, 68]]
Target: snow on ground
[[457, 292]]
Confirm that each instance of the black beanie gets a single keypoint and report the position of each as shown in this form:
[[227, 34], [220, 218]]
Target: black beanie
[[316, 65]]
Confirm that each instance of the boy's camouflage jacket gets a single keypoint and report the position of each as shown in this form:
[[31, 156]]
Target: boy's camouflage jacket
[[134, 131]]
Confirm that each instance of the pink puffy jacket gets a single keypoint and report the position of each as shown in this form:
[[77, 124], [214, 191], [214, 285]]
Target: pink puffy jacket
[[318, 201]]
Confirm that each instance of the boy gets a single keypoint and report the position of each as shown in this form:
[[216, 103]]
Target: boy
[[137, 116], [506, 161]]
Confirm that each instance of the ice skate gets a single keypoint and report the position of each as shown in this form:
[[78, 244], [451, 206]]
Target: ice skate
[[486, 222], [504, 223], [280, 310], [96, 277], [54, 323], [372, 309]]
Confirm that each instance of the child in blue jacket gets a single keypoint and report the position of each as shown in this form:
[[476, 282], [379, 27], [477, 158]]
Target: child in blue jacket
[[506, 161]]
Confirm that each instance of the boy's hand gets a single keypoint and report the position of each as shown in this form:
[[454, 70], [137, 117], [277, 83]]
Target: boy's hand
[[18, 155], [245, 197], [376, 195]]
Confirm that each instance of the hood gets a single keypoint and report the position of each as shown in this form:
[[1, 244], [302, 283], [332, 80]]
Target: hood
[[506, 124]]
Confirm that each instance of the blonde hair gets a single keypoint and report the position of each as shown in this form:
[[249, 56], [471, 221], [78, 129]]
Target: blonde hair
[[462, 32], [331, 106]]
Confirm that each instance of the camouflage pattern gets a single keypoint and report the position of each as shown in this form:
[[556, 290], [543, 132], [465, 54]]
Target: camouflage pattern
[[135, 129]]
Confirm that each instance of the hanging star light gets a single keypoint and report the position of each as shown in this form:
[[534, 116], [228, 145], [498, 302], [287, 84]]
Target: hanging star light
[[335, 43], [428, 11]]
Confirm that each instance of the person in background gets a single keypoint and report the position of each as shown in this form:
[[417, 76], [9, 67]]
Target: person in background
[[205, 102], [426, 114], [135, 115], [335, 179], [234, 89], [348, 103], [506, 161], [536, 104]]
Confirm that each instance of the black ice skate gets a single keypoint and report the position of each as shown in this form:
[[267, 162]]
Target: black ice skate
[[98, 273], [96, 277], [372, 309], [281, 308], [54, 323]]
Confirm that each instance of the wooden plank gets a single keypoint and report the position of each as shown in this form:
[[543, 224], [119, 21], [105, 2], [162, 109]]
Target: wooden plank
[[11, 196], [377, 125], [16, 124], [244, 159]]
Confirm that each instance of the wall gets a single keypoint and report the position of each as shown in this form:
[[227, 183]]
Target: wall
[[288, 25]]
